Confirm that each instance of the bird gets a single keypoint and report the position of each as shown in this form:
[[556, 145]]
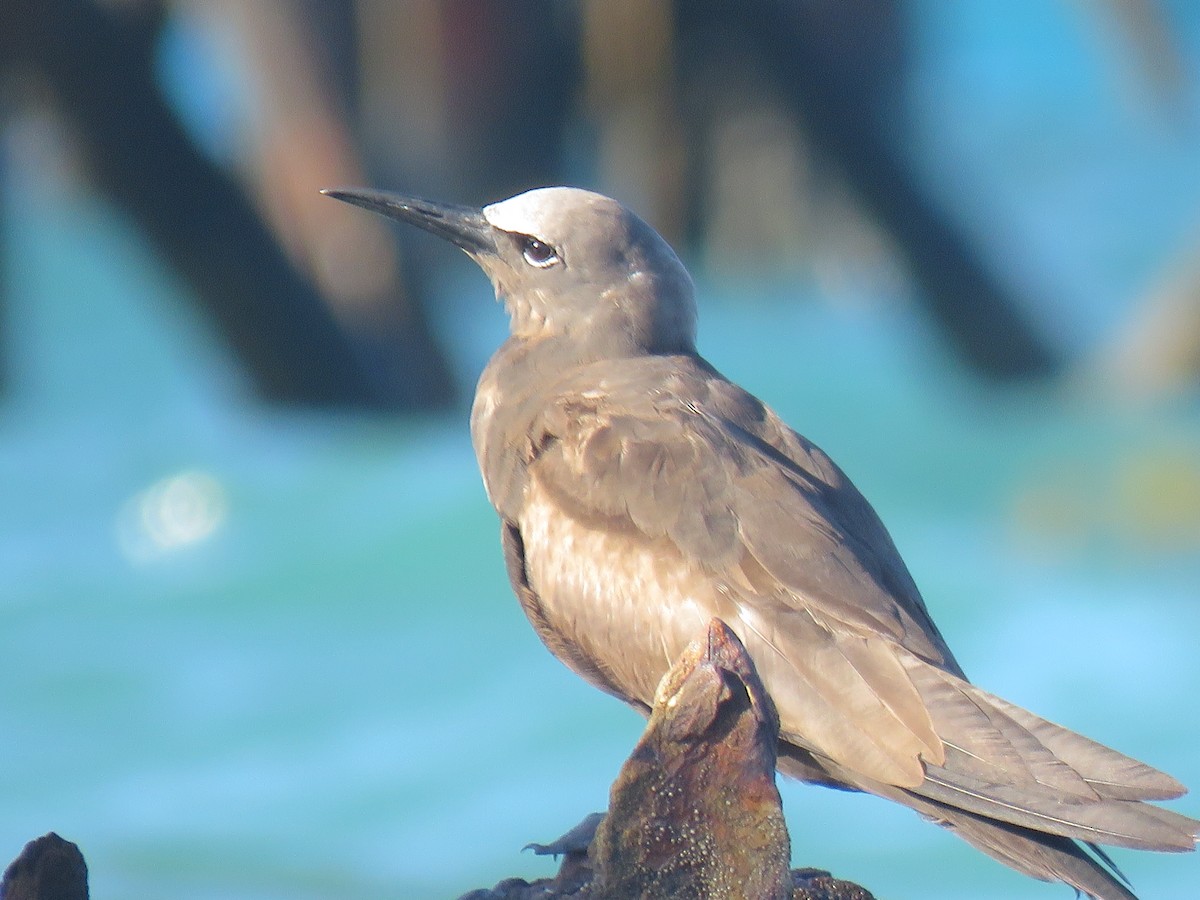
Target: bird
[[642, 494]]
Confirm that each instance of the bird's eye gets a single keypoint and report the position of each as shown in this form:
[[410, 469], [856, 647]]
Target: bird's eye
[[538, 253]]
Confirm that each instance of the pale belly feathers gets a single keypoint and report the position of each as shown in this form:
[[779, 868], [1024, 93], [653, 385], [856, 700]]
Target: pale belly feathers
[[620, 600]]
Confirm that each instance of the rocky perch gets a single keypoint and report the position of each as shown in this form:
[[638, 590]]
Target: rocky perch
[[694, 812]]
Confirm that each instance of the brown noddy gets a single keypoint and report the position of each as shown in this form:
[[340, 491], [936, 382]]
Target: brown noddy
[[642, 494]]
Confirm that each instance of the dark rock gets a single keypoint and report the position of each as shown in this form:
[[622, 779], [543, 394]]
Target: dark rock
[[695, 811], [49, 868], [815, 884]]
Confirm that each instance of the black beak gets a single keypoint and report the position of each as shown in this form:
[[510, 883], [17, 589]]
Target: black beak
[[461, 225]]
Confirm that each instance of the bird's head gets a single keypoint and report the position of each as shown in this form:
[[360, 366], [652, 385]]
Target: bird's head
[[568, 264]]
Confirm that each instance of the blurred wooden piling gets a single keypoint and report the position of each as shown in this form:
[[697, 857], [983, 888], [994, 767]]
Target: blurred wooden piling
[[361, 346]]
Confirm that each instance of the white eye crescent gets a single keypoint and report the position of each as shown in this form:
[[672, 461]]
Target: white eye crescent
[[538, 253]]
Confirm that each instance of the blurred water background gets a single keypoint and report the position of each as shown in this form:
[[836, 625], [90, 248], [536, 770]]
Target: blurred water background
[[264, 650]]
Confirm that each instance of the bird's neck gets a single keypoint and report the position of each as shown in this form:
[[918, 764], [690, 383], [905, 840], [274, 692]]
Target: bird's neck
[[501, 414], [519, 380]]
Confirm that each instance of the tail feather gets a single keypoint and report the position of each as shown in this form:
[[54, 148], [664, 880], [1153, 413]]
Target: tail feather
[[1046, 857], [1024, 790], [1120, 823], [1003, 743], [1111, 774], [1004, 763], [1109, 864]]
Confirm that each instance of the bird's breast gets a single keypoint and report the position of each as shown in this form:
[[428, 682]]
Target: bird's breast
[[629, 603]]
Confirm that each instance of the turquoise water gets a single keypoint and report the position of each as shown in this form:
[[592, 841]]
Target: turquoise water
[[258, 654]]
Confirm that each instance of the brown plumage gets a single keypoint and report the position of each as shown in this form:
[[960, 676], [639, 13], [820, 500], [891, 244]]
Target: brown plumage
[[642, 494]]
